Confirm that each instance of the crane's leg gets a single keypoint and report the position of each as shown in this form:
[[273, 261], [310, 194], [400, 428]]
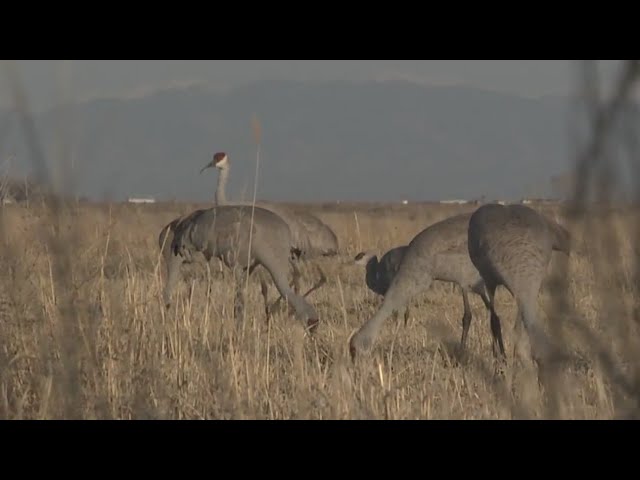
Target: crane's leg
[[166, 258], [323, 277], [320, 273], [496, 329], [238, 304], [173, 274], [321, 281], [295, 283], [264, 289], [497, 344], [165, 248], [241, 286], [466, 319]]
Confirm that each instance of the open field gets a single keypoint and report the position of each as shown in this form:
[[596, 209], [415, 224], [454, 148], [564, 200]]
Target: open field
[[84, 333]]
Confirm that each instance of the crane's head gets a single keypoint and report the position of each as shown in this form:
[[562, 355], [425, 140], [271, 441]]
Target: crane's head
[[363, 258], [220, 161]]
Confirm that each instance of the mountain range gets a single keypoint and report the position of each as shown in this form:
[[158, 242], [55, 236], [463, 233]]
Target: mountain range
[[376, 141]]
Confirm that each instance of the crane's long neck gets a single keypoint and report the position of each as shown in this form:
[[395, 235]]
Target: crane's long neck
[[372, 273], [223, 177], [410, 279], [304, 310]]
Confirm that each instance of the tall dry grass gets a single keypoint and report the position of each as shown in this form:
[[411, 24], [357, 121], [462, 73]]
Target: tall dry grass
[[96, 342], [84, 333]]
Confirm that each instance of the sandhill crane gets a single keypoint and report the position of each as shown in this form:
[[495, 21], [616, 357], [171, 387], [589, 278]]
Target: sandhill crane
[[311, 236], [240, 236], [511, 245], [378, 274], [439, 252]]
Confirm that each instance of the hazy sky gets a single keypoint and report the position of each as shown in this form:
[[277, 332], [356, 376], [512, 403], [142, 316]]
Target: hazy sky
[[155, 142], [97, 78]]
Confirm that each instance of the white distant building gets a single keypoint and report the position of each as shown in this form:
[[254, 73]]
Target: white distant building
[[142, 200], [404, 202], [537, 200], [457, 202]]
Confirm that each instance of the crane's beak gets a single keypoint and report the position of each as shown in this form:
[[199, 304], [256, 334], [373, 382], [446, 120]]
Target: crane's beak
[[208, 165]]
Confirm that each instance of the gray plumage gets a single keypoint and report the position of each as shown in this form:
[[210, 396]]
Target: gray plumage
[[311, 236], [378, 274], [511, 245], [226, 232], [439, 252], [165, 237]]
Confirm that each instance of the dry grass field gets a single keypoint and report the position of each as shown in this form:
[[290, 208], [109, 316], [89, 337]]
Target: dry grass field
[[84, 333]]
